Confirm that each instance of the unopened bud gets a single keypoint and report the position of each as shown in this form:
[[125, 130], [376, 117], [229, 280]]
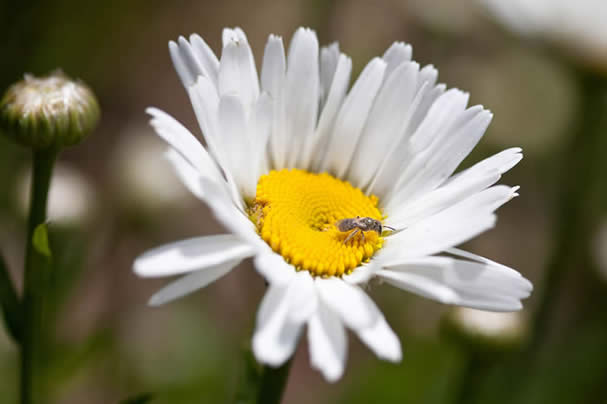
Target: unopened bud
[[45, 112]]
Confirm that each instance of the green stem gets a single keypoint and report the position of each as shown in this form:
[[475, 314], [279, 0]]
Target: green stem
[[273, 382], [11, 307], [579, 199], [36, 279], [475, 368]]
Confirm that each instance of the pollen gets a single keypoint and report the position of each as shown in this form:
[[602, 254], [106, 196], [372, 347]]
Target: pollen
[[295, 213]]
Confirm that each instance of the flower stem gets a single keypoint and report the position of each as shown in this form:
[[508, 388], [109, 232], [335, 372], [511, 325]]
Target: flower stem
[[36, 279], [472, 374], [579, 200], [9, 300], [273, 382]]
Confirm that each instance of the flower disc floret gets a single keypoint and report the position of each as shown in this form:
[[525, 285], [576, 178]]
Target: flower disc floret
[[295, 212]]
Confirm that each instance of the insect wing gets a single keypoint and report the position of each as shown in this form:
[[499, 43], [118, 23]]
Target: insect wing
[[345, 224]]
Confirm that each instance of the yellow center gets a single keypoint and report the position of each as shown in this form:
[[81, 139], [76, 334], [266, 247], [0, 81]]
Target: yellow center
[[296, 211]]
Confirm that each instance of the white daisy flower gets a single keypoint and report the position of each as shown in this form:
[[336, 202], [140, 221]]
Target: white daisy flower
[[577, 26], [293, 152], [490, 326]]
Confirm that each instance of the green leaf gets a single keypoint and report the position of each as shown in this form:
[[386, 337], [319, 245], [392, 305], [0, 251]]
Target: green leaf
[[40, 240], [142, 398], [11, 306]]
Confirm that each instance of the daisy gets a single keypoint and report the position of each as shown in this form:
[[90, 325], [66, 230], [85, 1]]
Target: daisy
[[576, 26], [292, 152]]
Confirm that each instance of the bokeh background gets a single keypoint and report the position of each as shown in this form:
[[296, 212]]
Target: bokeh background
[[118, 197]]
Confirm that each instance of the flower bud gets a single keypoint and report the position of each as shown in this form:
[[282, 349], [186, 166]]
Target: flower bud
[[48, 112]]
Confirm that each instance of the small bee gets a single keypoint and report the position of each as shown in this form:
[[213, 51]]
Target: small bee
[[361, 224]]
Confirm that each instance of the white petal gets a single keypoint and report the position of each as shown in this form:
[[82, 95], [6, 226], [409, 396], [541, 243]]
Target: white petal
[[191, 255], [382, 340], [460, 282], [235, 140], [455, 189], [440, 199], [194, 60], [500, 162], [301, 93], [235, 34], [402, 152], [274, 268], [315, 153], [190, 63], [428, 74], [275, 337], [329, 55], [352, 117], [398, 153], [468, 276], [184, 142], [303, 301], [272, 81], [237, 71], [386, 123], [362, 274], [441, 115], [205, 101], [435, 235], [270, 303], [274, 65], [191, 282], [419, 285], [434, 165], [299, 287], [260, 127], [352, 305], [493, 303], [189, 176], [328, 344], [395, 55], [449, 227], [474, 257], [229, 214], [206, 57]]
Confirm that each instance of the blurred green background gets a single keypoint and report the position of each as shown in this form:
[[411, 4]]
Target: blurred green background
[[109, 345]]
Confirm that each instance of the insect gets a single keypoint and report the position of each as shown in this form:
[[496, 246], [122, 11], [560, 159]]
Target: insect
[[361, 224]]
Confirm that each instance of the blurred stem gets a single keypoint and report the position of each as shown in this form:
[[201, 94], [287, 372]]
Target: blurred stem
[[11, 307], [579, 198], [475, 369], [273, 382], [36, 279]]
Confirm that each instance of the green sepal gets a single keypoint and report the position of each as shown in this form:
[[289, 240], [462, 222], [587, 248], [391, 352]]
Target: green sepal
[[40, 240]]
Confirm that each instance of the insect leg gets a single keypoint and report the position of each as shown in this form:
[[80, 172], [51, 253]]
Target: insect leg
[[351, 235]]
